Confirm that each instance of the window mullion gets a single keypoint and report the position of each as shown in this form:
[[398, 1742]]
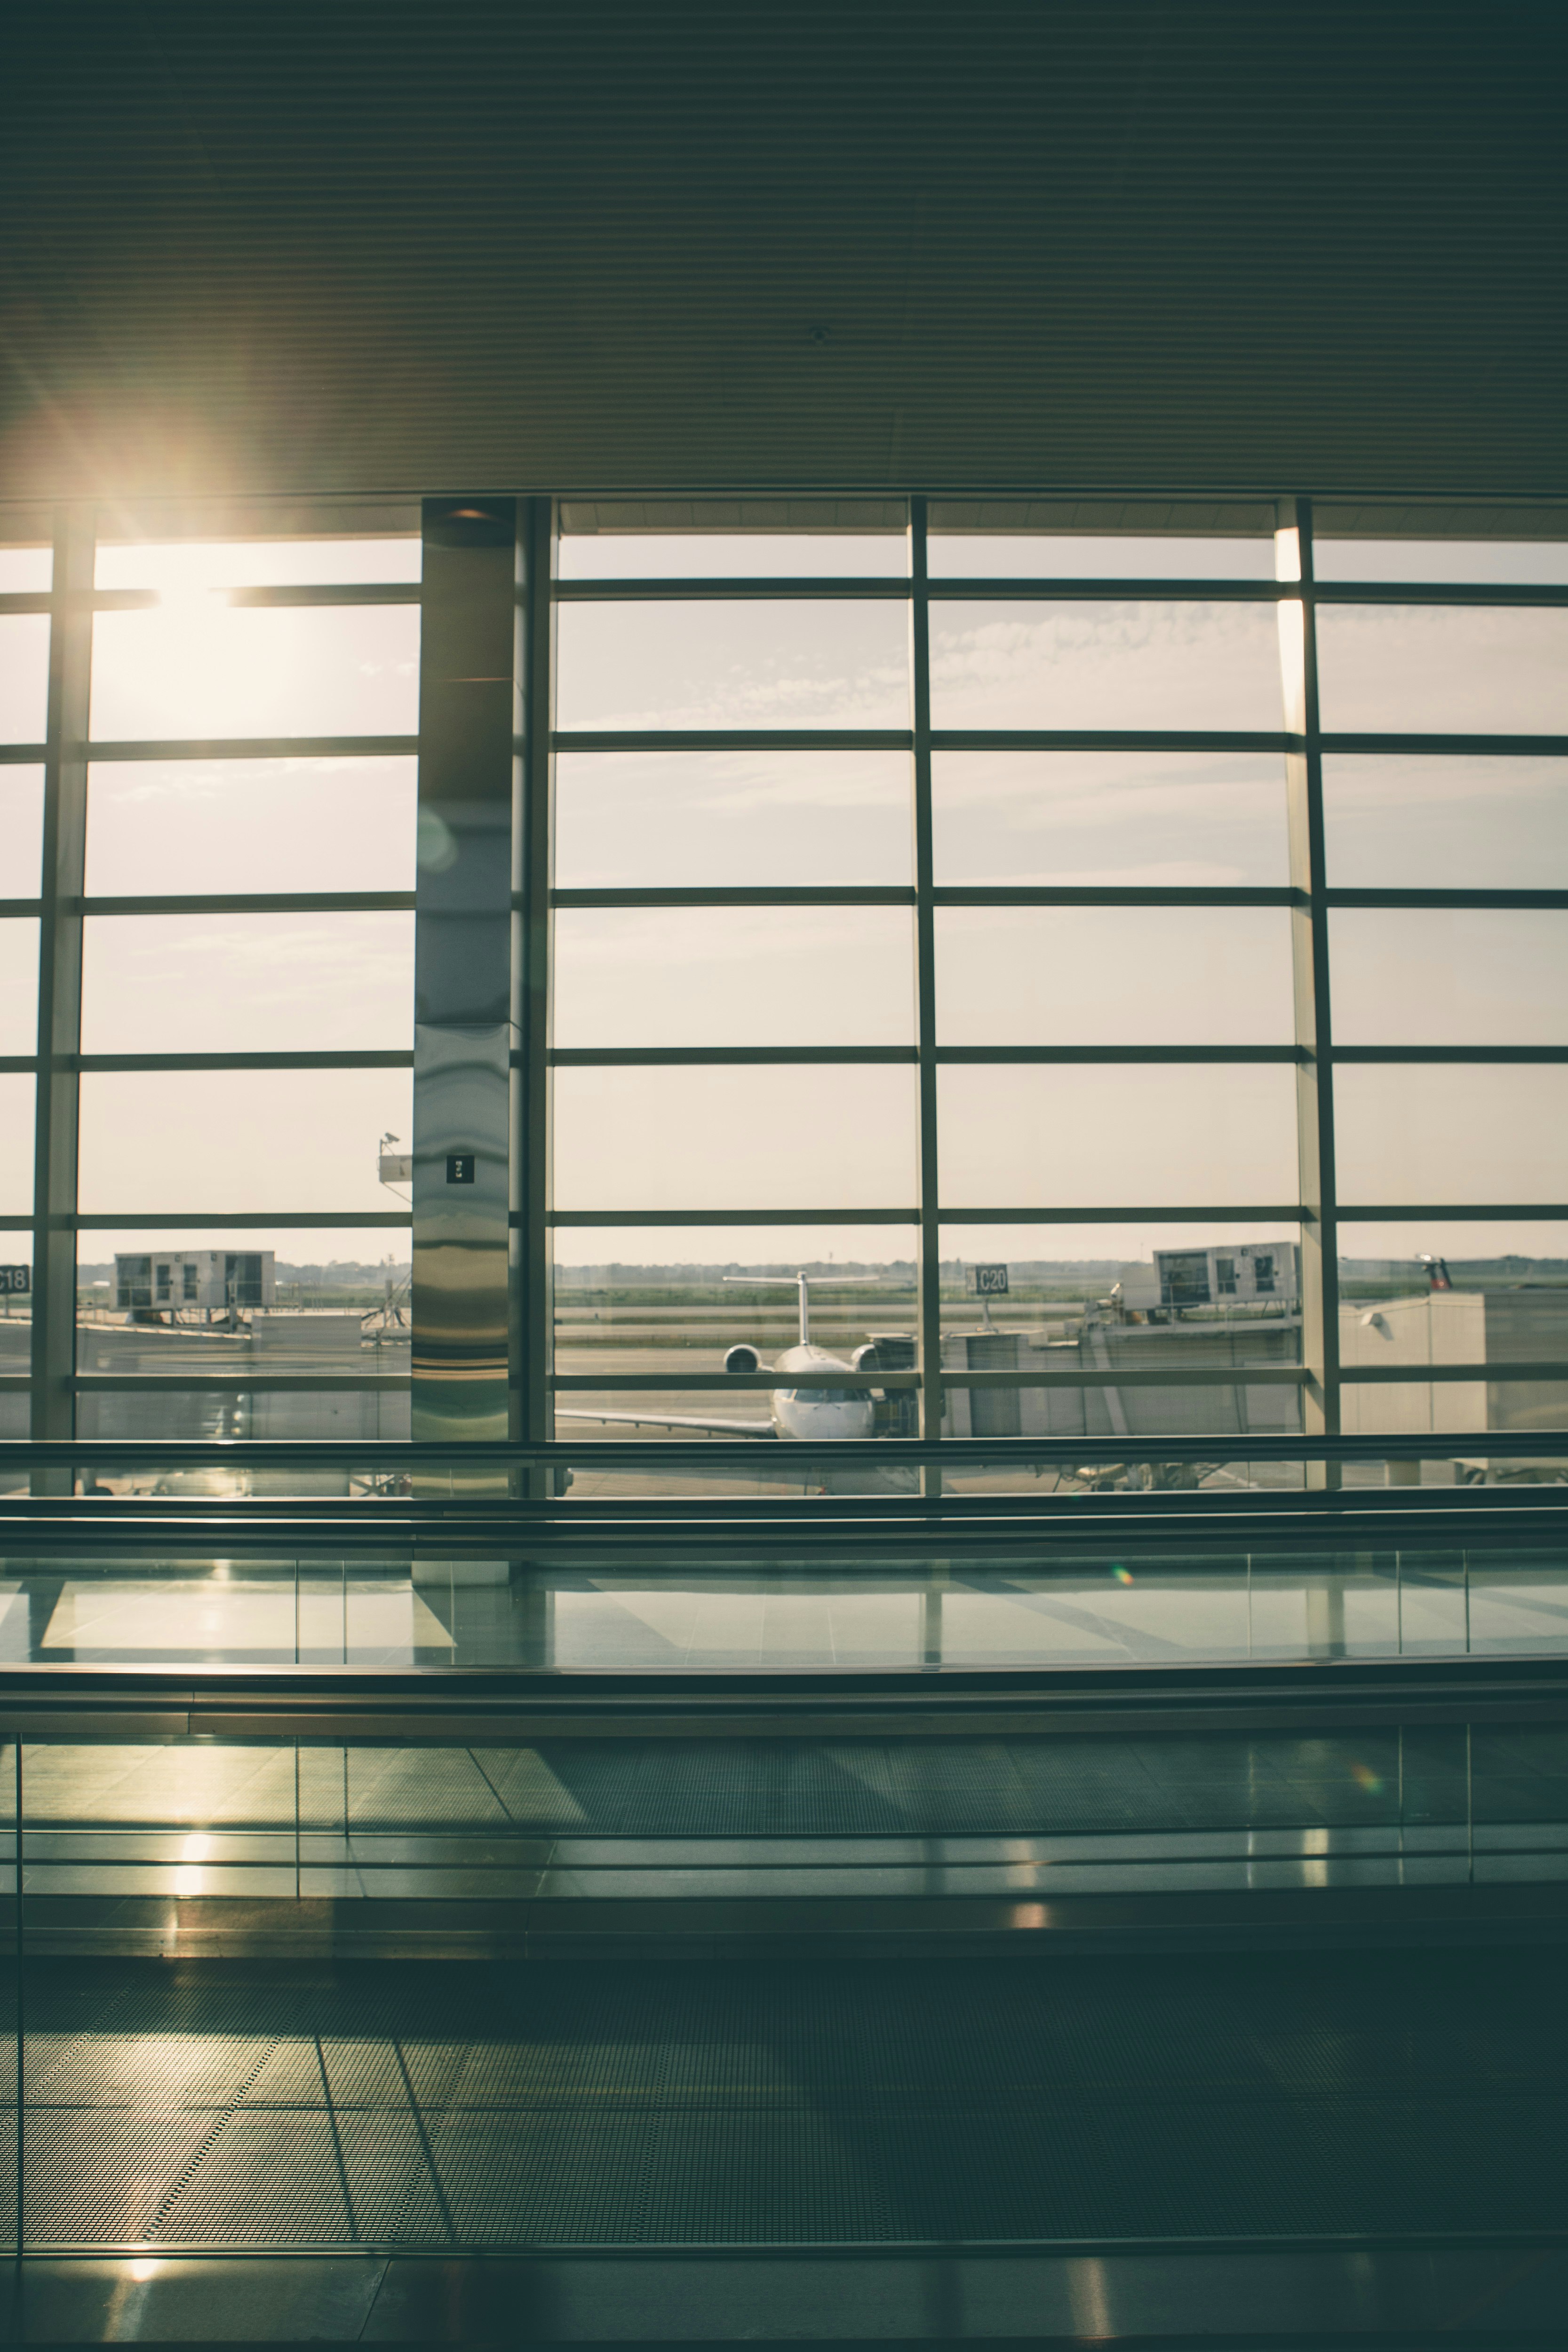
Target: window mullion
[[1314, 1033], [929, 1253]]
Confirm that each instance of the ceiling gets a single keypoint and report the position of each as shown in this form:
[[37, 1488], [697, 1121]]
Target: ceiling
[[1201, 247]]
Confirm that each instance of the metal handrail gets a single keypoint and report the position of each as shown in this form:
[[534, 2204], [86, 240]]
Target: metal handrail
[[882, 1453]]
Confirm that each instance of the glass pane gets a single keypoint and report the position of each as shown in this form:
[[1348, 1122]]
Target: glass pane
[[162, 826], [15, 1147], [217, 1410], [1114, 976], [683, 1301], [239, 983], [1115, 665], [738, 555], [1454, 1410], [18, 985], [1100, 1415], [162, 1280], [1095, 555], [1118, 820], [226, 1309], [706, 1409], [622, 539], [15, 1344], [217, 1140], [1477, 1319], [1128, 1303], [1503, 563], [708, 1304], [734, 976], [704, 663], [201, 667], [1044, 1136], [1461, 1132], [1445, 823], [23, 676], [689, 1621], [1451, 976], [1470, 1293], [190, 1612], [199, 563], [636, 1299], [710, 820], [1434, 669], [1056, 1271], [26, 571], [21, 832], [790, 1137], [1098, 1463], [1379, 1261]]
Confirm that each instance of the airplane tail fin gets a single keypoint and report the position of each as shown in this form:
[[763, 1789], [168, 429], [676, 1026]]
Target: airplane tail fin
[[802, 1283]]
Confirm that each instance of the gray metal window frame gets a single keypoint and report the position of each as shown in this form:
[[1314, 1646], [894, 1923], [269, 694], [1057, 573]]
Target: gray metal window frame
[[62, 907]]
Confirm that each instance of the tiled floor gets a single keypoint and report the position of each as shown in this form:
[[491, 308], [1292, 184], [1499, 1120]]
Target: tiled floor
[[822, 2102]]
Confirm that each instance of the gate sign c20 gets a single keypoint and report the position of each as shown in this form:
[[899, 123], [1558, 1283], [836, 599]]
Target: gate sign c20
[[15, 1281], [988, 1281]]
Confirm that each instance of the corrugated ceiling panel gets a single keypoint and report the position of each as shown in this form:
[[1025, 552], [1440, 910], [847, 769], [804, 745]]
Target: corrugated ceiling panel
[[1062, 245]]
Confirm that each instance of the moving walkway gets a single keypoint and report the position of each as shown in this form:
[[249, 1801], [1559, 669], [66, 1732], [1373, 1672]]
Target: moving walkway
[[1032, 1920]]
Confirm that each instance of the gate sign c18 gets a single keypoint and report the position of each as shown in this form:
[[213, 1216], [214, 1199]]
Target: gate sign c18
[[988, 1281], [15, 1281]]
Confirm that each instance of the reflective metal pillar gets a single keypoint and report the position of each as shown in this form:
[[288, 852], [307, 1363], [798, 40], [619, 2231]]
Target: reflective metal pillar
[[465, 982], [59, 992]]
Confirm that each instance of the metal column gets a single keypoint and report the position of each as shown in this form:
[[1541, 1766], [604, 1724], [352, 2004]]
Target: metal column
[[60, 991], [1309, 947], [465, 985]]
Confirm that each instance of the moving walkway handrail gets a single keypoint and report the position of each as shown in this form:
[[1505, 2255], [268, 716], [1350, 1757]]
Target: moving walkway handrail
[[518, 1706], [843, 1453]]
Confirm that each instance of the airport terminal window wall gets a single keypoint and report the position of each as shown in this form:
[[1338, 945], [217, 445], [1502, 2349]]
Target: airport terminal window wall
[[947, 896], [1159, 905]]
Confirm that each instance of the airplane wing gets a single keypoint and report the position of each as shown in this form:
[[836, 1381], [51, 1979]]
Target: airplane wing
[[672, 1421]]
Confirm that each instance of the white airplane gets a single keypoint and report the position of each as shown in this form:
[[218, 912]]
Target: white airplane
[[816, 1414]]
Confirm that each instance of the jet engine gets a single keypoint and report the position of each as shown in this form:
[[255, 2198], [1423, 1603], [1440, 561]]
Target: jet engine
[[742, 1359]]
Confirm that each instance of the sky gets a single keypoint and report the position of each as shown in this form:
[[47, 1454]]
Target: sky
[[792, 1137]]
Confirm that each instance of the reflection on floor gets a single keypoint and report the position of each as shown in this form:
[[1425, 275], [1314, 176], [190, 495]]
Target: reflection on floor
[[1270, 2095], [563, 1823], [1083, 1610]]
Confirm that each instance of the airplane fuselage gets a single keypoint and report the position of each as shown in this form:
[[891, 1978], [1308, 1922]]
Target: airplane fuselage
[[821, 1415]]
